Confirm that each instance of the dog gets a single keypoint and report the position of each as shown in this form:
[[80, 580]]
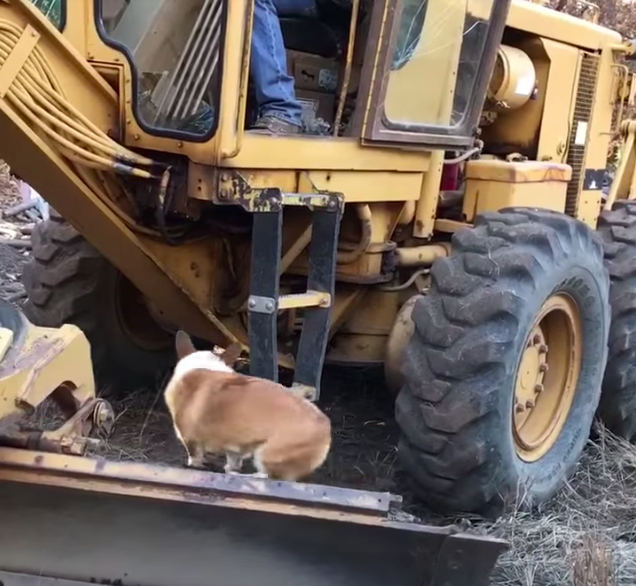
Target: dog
[[217, 411]]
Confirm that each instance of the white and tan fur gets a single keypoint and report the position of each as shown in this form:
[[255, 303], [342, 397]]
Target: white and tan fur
[[216, 410]]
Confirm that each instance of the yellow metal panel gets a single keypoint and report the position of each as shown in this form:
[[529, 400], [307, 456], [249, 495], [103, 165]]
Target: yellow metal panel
[[490, 196], [363, 186], [426, 209], [47, 359], [559, 100], [545, 22], [311, 152], [522, 172]]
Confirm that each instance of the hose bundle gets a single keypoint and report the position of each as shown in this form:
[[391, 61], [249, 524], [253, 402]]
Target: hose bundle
[[38, 97]]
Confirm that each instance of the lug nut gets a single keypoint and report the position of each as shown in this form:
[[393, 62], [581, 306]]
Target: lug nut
[[536, 339], [543, 367], [538, 388], [529, 404], [519, 408], [543, 349]]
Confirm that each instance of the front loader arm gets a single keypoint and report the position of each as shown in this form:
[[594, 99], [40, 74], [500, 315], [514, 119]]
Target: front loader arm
[[57, 117]]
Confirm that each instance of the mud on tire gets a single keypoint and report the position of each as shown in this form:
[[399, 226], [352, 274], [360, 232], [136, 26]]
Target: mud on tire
[[618, 400], [68, 281], [455, 408]]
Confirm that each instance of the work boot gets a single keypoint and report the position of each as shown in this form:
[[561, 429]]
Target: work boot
[[274, 125]]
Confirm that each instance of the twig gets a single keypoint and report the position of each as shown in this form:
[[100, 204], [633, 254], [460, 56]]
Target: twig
[[18, 209], [32, 215], [25, 244]]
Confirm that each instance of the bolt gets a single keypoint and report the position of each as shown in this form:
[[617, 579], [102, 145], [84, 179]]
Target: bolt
[[543, 367], [225, 177], [269, 306], [529, 404], [252, 304], [543, 349], [538, 388], [536, 339], [224, 193], [332, 204]]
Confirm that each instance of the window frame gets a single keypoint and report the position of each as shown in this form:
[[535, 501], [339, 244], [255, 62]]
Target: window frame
[[379, 129], [63, 14], [168, 133]]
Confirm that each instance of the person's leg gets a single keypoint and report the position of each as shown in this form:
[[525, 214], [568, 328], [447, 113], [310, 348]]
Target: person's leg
[[279, 110]]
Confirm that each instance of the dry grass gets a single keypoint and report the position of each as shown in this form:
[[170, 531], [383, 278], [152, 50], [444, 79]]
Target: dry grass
[[587, 535], [9, 191], [364, 433]]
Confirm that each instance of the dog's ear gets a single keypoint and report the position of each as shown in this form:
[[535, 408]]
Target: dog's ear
[[184, 345], [231, 354]]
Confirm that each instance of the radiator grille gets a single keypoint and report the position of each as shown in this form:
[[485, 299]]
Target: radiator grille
[[585, 94]]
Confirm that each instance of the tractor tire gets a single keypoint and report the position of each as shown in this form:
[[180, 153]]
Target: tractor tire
[[618, 399], [492, 412], [68, 281]]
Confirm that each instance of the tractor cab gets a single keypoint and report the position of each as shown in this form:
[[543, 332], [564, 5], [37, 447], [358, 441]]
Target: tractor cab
[[413, 72]]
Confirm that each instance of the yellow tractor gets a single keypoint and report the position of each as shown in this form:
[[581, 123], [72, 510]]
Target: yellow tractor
[[442, 215]]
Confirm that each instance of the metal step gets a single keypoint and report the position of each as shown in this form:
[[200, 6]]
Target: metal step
[[265, 300], [82, 521], [307, 299]]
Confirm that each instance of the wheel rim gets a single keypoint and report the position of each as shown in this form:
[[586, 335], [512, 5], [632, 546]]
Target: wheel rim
[[136, 320], [547, 377]]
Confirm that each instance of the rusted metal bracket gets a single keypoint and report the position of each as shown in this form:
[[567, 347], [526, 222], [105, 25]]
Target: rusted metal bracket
[[234, 189], [72, 437]]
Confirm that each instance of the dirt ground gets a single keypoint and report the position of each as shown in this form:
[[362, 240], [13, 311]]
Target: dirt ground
[[585, 537], [11, 259]]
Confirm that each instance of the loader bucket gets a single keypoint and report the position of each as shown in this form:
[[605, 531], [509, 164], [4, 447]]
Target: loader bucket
[[85, 521]]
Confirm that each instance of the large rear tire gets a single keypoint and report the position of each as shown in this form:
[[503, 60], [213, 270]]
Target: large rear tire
[[68, 281], [618, 400], [503, 372]]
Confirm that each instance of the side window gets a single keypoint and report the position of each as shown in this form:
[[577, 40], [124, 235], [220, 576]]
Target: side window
[[436, 68], [175, 49], [54, 10]]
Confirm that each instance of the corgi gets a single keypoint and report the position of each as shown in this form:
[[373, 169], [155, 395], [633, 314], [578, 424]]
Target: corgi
[[217, 411]]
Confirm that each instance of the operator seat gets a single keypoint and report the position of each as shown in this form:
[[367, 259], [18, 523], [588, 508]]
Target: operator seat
[[325, 36]]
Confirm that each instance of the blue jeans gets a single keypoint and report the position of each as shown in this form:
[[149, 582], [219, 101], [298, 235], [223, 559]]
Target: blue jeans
[[273, 87]]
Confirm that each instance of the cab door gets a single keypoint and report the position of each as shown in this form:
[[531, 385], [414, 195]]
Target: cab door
[[431, 73], [185, 71]]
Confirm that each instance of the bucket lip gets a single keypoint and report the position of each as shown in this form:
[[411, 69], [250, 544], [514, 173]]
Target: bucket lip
[[215, 489]]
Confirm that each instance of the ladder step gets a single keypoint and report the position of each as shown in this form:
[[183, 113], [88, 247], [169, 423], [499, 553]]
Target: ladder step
[[302, 300], [265, 299]]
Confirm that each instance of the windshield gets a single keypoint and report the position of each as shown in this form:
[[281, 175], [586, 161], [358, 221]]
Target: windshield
[[176, 51]]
